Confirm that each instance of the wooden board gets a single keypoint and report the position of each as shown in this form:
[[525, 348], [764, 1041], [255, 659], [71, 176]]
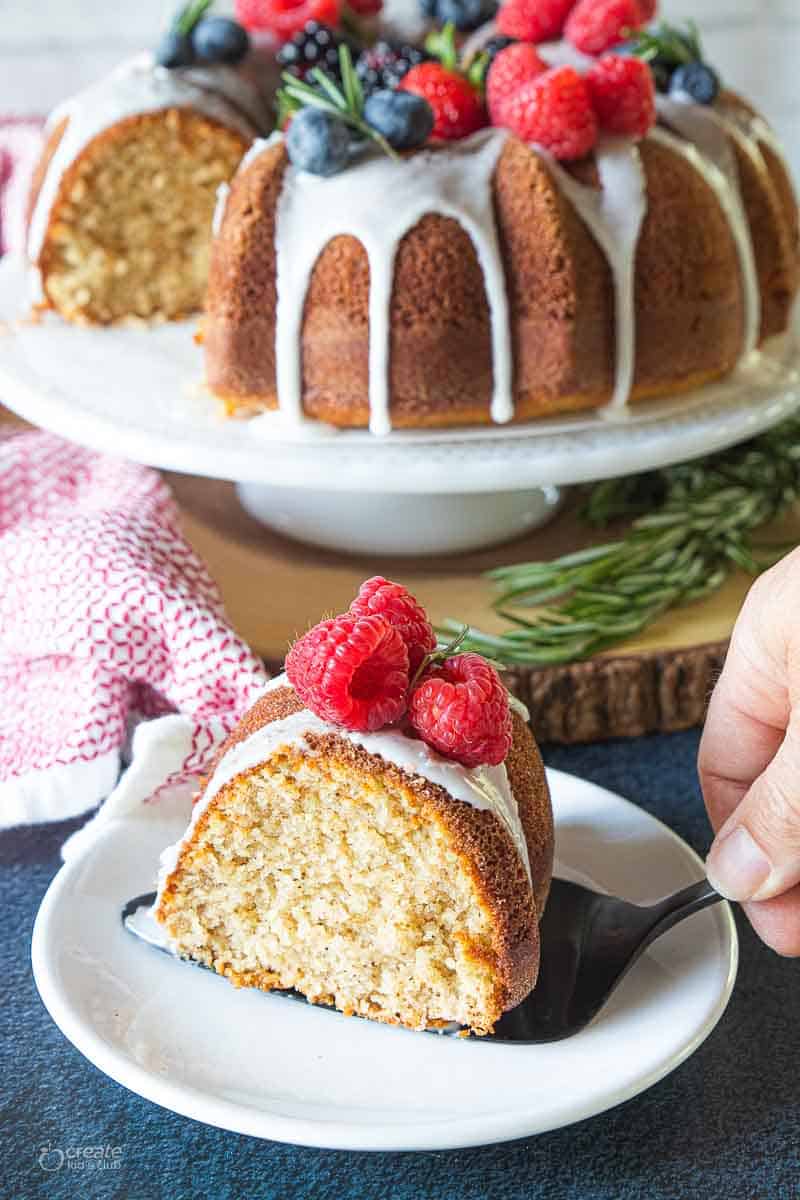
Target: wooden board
[[274, 589]]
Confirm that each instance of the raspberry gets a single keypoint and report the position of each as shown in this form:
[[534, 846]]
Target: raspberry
[[352, 671], [594, 26], [380, 597], [623, 95], [512, 67], [365, 8], [533, 20], [555, 111], [285, 18], [461, 709], [457, 107], [647, 10]]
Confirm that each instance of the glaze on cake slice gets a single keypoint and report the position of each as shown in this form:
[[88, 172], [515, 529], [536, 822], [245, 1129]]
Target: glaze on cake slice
[[337, 850]]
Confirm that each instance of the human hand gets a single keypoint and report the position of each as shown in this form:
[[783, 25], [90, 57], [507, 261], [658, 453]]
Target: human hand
[[749, 760]]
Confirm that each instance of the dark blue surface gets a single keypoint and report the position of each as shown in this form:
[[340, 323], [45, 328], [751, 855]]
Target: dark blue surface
[[725, 1125]]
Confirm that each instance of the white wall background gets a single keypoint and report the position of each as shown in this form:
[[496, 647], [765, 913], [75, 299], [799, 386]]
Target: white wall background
[[49, 48]]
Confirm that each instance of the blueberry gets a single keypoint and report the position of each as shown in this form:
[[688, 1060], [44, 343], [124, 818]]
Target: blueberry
[[220, 40], [175, 50], [317, 142], [697, 80], [405, 120], [465, 15]]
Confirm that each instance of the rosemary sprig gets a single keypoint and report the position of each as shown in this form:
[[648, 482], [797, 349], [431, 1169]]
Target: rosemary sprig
[[345, 102], [669, 44], [692, 528], [187, 17]]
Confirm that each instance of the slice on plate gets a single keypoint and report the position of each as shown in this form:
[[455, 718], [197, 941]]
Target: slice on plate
[[366, 869]]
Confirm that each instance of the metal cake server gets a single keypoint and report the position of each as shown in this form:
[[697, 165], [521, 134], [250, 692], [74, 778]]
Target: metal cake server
[[589, 942]]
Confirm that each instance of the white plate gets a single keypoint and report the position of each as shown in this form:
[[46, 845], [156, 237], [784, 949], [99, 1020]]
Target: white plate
[[138, 391], [268, 1067]]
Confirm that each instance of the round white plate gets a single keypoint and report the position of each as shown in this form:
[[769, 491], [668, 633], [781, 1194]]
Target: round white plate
[[269, 1067], [138, 391]]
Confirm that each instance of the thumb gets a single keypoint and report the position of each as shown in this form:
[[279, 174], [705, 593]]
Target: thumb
[[756, 853]]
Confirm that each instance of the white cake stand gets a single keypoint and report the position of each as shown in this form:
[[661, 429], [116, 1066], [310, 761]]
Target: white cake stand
[[137, 392]]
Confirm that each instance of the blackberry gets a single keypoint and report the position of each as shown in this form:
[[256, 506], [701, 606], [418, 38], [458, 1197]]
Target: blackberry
[[384, 64], [316, 45]]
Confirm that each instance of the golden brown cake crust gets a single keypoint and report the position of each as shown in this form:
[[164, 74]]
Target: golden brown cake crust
[[689, 298], [484, 845]]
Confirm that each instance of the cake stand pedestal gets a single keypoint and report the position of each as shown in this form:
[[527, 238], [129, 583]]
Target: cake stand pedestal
[[138, 391], [409, 525]]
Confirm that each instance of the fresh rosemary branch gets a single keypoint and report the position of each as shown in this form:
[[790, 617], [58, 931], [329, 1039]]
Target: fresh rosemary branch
[[345, 101], [668, 44], [692, 527], [188, 16]]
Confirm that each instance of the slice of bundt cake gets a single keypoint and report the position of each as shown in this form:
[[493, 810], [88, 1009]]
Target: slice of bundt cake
[[337, 850], [122, 201]]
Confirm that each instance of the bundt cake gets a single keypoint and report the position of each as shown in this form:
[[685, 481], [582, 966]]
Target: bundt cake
[[499, 277], [363, 867], [123, 197]]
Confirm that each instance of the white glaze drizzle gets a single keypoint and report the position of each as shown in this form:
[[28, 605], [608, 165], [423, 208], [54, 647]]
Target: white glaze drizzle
[[729, 198], [614, 214], [564, 54], [484, 788], [707, 131], [378, 200], [456, 182], [139, 86]]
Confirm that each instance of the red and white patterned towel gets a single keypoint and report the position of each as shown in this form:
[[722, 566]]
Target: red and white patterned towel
[[106, 616]]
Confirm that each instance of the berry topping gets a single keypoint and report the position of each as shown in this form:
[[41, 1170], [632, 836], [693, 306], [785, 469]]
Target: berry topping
[[381, 597], [365, 8], [623, 95], [405, 120], [464, 15], [219, 40], [352, 671], [696, 80], [594, 26], [384, 64], [673, 51], [517, 64], [461, 709], [318, 142], [175, 50], [194, 37], [285, 18], [534, 20], [314, 46], [457, 107], [555, 111]]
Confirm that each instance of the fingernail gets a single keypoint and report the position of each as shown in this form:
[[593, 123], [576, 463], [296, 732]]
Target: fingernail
[[736, 866]]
